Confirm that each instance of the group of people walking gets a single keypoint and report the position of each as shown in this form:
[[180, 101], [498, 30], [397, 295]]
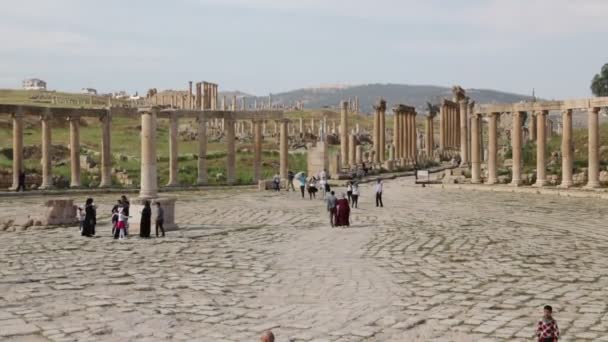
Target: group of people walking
[[87, 217]]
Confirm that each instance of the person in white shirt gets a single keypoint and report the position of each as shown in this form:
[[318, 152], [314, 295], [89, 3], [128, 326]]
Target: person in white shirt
[[379, 194], [355, 195]]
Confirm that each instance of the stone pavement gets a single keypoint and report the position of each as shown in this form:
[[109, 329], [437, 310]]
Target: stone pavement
[[440, 265]]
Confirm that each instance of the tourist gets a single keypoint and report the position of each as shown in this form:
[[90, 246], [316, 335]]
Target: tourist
[[290, 177], [21, 181], [322, 187], [312, 188], [379, 193], [302, 180], [276, 181], [342, 212], [90, 219], [80, 215], [115, 215], [121, 225], [331, 207], [126, 206], [349, 191], [160, 219], [146, 221], [355, 195], [267, 336], [547, 330]]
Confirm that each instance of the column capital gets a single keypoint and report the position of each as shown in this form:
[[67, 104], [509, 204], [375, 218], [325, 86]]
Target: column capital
[[18, 113], [73, 117], [464, 101], [595, 109], [495, 114], [567, 111], [47, 115], [541, 112]]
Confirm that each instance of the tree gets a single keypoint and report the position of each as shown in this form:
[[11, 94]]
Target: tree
[[599, 84]]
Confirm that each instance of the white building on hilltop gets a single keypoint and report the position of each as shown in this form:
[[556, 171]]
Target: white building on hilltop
[[88, 91], [34, 84]]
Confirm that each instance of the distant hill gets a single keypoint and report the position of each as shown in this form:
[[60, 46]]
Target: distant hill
[[413, 95]]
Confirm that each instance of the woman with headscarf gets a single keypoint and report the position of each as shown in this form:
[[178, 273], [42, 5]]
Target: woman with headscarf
[[146, 221], [342, 212], [90, 219]]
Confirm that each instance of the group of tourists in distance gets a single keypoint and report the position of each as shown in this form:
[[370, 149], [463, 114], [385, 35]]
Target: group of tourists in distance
[[87, 216]]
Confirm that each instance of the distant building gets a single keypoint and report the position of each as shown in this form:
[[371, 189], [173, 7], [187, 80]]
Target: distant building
[[120, 95], [34, 84], [88, 91]]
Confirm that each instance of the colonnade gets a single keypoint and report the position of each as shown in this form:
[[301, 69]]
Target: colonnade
[[449, 125], [404, 133], [538, 113], [149, 117]]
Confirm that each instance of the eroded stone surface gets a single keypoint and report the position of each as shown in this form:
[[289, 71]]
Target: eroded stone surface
[[431, 265]]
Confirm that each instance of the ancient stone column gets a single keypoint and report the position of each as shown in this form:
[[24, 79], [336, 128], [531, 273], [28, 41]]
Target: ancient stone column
[[594, 154], [406, 141], [382, 129], [567, 144], [359, 154], [17, 148], [376, 131], [414, 138], [202, 178], [391, 153], [74, 151], [442, 124], [533, 128], [344, 134], [230, 151], [224, 103], [312, 126], [352, 147], [428, 130], [541, 141], [493, 149], [173, 151], [257, 150], [284, 150], [464, 143], [403, 135], [233, 103], [148, 172], [301, 126], [516, 139], [106, 151], [396, 133], [47, 177], [475, 150]]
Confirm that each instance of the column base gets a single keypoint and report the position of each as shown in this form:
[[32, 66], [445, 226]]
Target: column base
[[75, 186], [516, 182], [103, 186], [540, 183], [46, 187], [566, 185], [137, 205], [592, 185], [172, 184], [491, 181]]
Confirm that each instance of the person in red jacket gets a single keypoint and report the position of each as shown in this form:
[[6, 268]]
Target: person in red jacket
[[547, 330]]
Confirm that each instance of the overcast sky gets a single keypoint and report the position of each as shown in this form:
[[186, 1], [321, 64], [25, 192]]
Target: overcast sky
[[262, 46]]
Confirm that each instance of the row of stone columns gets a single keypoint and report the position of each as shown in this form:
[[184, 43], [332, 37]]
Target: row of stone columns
[[379, 131], [404, 133], [538, 123], [449, 125]]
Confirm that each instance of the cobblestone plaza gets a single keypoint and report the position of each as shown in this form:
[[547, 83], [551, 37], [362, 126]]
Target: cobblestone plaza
[[441, 265]]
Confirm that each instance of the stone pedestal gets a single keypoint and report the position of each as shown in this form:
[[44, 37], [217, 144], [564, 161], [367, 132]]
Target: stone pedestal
[[137, 205], [60, 211]]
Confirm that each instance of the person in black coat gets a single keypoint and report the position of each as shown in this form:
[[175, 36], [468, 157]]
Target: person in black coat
[[146, 221], [90, 219]]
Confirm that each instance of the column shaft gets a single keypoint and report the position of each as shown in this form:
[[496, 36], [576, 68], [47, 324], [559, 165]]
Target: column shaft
[[257, 150], [148, 172], [230, 151], [442, 119], [516, 139], [47, 178], [493, 148], [173, 151], [382, 143], [475, 151], [284, 150], [541, 141], [106, 151], [464, 142], [17, 148], [396, 134], [352, 147], [376, 132], [344, 135], [202, 178], [428, 141], [594, 155], [567, 149], [74, 151]]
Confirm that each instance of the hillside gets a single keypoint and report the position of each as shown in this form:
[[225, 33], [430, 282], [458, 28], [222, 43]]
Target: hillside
[[415, 95]]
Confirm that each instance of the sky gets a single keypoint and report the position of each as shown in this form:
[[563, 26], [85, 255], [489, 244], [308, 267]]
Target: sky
[[271, 46]]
